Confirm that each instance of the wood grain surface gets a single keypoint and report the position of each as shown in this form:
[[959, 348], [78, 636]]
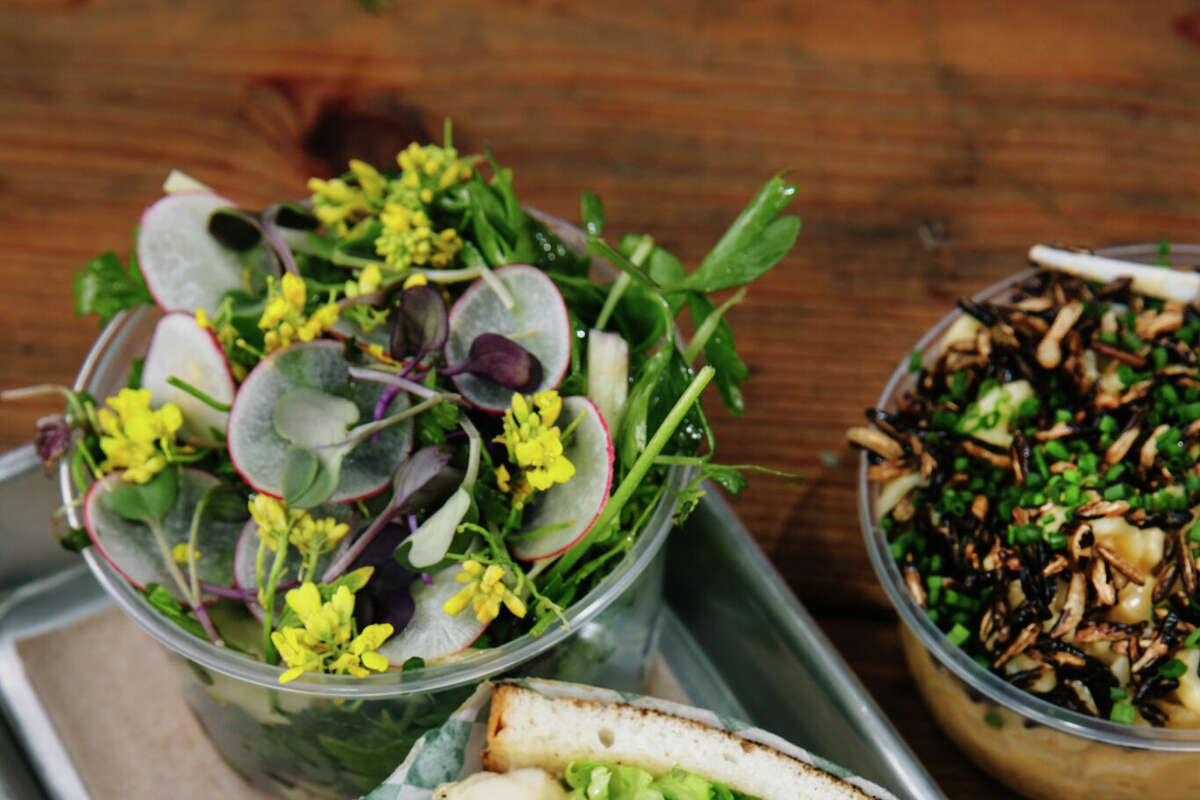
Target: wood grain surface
[[933, 142]]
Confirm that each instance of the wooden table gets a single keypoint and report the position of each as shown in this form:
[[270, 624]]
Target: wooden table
[[932, 143]]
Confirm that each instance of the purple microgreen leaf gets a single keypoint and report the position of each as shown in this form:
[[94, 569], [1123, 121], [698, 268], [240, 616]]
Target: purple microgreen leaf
[[421, 324], [414, 475], [502, 361], [53, 437]]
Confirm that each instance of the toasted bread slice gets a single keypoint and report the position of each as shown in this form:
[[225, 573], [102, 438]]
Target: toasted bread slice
[[528, 729]]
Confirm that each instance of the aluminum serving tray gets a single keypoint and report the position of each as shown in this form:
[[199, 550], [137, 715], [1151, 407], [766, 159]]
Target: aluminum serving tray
[[742, 646]]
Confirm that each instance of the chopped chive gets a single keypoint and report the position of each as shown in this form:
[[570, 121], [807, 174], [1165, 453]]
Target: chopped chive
[[1194, 533], [1117, 693], [914, 361], [1132, 341], [1108, 337], [1116, 472], [994, 719], [1193, 640], [1108, 423], [1123, 713], [1159, 356], [1117, 491], [958, 634], [1173, 669]]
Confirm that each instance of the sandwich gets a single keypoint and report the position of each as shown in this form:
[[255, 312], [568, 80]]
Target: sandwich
[[561, 748]]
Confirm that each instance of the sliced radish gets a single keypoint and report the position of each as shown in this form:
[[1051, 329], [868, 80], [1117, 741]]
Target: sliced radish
[[538, 322], [131, 547], [315, 370], [577, 502], [183, 349], [608, 375], [184, 266], [433, 634]]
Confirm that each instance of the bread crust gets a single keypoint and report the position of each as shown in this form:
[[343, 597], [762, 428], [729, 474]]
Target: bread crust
[[528, 729]]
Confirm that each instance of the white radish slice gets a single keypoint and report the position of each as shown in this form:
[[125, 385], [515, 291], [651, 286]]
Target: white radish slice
[[433, 634], [131, 547], [257, 449], [246, 555], [538, 322], [608, 375], [576, 503], [183, 349], [184, 266]]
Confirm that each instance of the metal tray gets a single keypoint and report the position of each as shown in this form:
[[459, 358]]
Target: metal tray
[[740, 645]]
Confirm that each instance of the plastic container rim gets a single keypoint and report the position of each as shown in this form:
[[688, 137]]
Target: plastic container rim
[[462, 671], [936, 642]]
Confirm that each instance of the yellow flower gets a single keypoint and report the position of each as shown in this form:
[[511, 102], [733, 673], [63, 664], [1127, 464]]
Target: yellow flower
[[283, 317], [484, 592], [416, 279], [408, 239], [372, 183], [368, 281], [181, 552], [339, 205], [303, 532], [326, 642], [202, 319], [534, 443], [135, 438]]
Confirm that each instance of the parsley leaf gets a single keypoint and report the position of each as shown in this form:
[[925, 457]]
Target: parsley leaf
[[106, 288]]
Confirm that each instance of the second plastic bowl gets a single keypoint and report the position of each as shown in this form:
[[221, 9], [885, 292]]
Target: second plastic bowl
[[1037, 748]]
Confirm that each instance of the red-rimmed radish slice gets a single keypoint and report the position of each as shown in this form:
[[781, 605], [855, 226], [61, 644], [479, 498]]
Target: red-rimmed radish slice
[[131, 547], [432, 634], [184, 266], [245, 557], [183, 349], [538, 322], [576, 503], [257, 449]]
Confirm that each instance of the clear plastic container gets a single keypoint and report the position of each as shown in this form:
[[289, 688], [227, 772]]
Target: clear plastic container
[[335, 736], [1037, 748]]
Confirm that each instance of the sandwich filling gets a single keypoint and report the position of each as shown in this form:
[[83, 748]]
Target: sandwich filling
[[588, 780]]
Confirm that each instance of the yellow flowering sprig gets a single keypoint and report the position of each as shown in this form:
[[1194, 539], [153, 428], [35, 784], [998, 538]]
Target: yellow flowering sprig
[[135, 438], [484, 592], [408, 239], [221, 324], [493, 580], [534, 444], [326, 639], [279, 526], [283, 320]]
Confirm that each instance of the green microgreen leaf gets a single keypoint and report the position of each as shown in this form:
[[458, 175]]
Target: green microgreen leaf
[[106, 288], [142, 502], [758, 239], [592, 212]]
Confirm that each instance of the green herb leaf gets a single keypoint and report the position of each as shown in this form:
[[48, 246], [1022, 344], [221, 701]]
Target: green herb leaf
[[168, 606], [729, 478], [719, 351], [76, 540], [141, 502], [104, 287], [758, 239], [300, 470], [592, 211]]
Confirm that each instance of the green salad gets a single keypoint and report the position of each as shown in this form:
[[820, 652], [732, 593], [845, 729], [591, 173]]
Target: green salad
[[401, 419]]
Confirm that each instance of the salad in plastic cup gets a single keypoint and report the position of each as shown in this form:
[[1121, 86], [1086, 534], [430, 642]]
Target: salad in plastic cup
[[375, 446], [1061, 656]]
